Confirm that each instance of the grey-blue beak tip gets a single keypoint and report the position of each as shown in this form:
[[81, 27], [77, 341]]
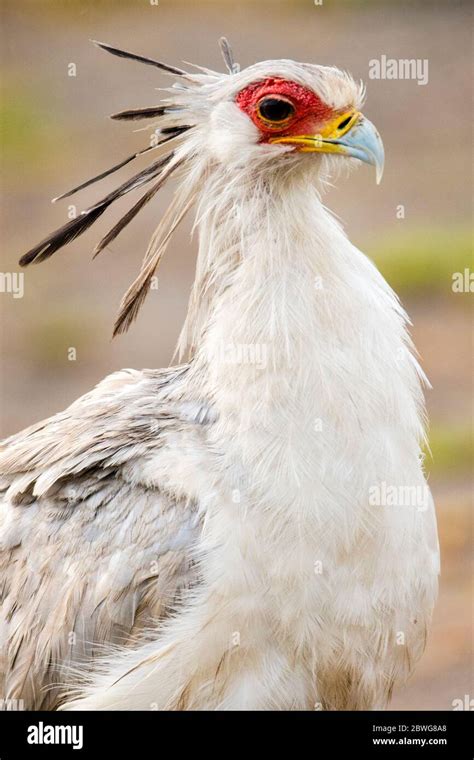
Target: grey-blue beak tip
[[364, 142]]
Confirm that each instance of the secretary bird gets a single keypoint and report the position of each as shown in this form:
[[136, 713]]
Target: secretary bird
[[217, 535]]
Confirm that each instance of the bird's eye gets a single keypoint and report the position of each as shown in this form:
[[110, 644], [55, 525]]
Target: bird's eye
[[275, 110]]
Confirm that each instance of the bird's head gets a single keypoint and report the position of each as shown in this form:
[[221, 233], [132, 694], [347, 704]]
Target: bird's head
[[276, 111], [270, 116]]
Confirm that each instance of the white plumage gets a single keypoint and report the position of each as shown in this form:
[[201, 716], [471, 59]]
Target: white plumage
[[223, 508]]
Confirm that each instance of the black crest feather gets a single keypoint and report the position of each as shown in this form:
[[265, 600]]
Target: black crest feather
[[170, 132], [158, 171], [140, 59], [64, 235], [133, 114], [102, 175], [131, 213], [80, 224]]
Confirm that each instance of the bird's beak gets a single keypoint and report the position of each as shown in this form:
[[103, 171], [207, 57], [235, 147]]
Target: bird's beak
[[351, 134]]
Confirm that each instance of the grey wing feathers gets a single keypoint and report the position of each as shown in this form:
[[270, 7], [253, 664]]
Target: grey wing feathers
[[89, 555]]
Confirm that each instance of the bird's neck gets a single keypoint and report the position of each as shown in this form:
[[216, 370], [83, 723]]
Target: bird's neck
[[284, 306], [263, 252]]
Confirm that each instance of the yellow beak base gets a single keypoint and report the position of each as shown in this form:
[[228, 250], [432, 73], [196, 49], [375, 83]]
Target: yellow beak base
[[350, 134]]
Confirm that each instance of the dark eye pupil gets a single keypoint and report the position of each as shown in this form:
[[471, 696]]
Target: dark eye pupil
[[275, 109]]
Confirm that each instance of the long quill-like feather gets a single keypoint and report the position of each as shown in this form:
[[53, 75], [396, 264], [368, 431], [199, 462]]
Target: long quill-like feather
[[140, 59], [135, 296], [228, 56], [80, 224], [171, 133], [127, 218], [133, 114]]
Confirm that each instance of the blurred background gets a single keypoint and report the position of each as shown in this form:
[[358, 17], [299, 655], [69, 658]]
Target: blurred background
[[55, 133]]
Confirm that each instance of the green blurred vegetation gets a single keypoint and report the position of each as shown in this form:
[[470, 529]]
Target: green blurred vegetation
[[27, 130], [424, 260], [57, 332], [452, 450]]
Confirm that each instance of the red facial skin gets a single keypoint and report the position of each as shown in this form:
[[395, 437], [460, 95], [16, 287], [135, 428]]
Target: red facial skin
[[310, 111]]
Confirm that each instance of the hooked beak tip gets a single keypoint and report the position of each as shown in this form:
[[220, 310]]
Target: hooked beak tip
[[379, 173], [364, 142]]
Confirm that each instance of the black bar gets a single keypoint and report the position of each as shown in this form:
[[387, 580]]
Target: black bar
[[315, 735]]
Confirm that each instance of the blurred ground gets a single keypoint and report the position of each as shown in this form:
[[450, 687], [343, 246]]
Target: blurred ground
[[55, 133]]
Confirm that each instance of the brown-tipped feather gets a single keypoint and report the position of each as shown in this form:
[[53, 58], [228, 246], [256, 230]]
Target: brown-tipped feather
[[139, 58], [76, 227], [135, 296], [127, 218], [130, 306], [170, 132]]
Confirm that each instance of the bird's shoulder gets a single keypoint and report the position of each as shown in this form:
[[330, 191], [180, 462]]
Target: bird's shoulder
[[123, 420]]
